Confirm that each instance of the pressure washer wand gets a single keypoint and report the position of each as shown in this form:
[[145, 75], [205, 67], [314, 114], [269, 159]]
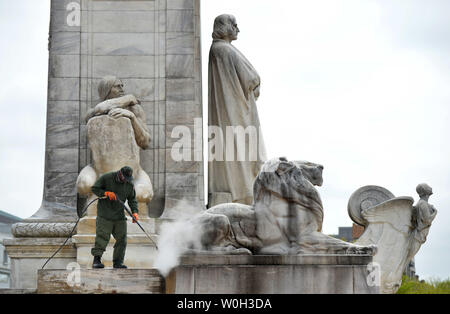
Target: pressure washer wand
[[134, 219]]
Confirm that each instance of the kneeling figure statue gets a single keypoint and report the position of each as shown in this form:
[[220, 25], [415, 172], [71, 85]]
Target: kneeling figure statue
[[116, 131]]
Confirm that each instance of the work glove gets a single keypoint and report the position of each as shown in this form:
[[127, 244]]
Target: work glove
[[111, 196], [136, 217]]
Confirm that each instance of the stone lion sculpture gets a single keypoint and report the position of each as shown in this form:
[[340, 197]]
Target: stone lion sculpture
[[285, 218]]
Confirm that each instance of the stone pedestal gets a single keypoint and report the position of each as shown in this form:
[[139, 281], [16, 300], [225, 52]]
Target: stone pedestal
[[130, 281], [302, 274], [30, 254]]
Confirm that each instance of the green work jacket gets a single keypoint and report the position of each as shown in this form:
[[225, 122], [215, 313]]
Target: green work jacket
[[113, 210]]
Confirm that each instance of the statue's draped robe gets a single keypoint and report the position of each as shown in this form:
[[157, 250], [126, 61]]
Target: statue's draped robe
[[232, 81], [424, 216]]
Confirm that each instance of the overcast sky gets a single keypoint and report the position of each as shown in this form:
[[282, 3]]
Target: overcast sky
[[360, 86]]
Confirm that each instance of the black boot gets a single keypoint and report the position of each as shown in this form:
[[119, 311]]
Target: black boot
[[119, 265], [97, 262]]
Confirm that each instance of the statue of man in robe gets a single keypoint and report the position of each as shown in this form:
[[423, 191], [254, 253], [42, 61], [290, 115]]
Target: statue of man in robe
[[234, 87]]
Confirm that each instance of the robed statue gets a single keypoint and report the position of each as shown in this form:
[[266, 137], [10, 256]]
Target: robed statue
[[236, 151]]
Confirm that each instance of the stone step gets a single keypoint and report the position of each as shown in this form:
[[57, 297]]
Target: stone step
[[96, 281]]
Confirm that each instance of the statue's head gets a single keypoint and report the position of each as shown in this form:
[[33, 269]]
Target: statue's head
[[225, 27], [110, 87], [311, 171], [424, 189]]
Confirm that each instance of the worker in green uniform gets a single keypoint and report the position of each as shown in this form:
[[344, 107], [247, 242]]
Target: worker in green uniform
[[111, 216]]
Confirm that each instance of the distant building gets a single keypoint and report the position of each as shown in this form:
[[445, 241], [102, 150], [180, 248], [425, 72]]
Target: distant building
[[6, 221], [357, 231], [345, 233], [349, 234]]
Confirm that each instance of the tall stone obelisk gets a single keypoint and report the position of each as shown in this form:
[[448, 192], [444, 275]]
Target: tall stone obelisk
[[154, 47]]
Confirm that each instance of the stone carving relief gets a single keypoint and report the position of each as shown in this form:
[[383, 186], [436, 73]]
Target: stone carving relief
[[396, 226], [42, 230]]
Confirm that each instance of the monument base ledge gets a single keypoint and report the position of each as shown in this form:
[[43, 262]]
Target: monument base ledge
[[107, 280], [30, 254], [270, 274]]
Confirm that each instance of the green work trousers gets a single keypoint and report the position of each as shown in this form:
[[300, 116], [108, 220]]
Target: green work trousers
[[105, 228]]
